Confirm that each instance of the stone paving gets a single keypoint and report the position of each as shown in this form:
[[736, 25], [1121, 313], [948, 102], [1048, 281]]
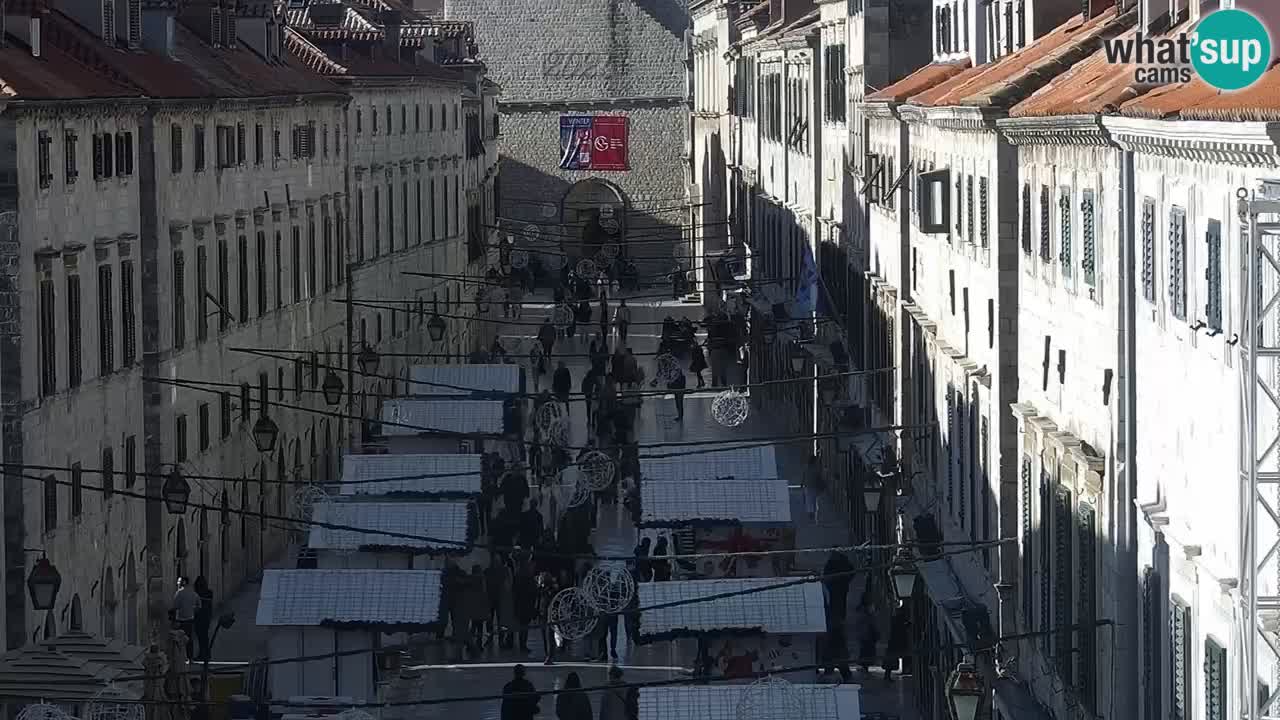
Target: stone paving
[[444, 676]]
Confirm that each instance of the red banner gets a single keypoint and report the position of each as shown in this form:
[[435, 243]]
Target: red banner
[[609, 142]]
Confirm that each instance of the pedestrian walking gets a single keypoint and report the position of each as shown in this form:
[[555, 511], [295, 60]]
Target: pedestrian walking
[[590, 384], [562, 384], [204, 617], [515, 299], [524, 596], [185, 604], [572, 330], [866, 633], [515, 488], [498, 584], [479, 609], [530, 525], [899, 642], [547, 589], [537, 364], [643, 563], [837, 575], [661, 568], [622, 320], [519, 697], [835, 651], [547, 337], [572, 703], [677, 387], [698, 363], [604, 315], [497, 353], [814, 486], [613, 699]]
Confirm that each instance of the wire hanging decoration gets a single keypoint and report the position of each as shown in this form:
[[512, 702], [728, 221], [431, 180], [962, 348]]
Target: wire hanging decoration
[[547, 415], [43, 711], [577, 492], [519, 259], [571, 614], [305, 500], [586, 268], [730, 408], [532, 231], [562, 317], [597, 469], [667, 368], [610, 251], [609, 587], [112, 703], [769, 698], [557, 433]]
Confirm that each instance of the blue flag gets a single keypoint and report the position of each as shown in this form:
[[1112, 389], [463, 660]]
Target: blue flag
[[806, 302]]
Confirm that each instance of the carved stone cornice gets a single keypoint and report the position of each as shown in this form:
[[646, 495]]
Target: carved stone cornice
[[1056, 130], [178, 225], [626, 103], [1248, 144], [962, 118]]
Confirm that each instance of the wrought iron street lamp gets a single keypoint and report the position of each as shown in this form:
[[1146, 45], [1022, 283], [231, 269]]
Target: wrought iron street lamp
[[368, 360], [43, 584], [482, 301], [436, 327], [903, 574], [332, 388], [965, 691], [872, 491], [265, 432], [176, 492], [798, 358]]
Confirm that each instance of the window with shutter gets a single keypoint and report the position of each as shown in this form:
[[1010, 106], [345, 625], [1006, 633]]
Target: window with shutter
[[179, 300], [202, 293], [224, 286], [128, 322], [73, 330], [1088, 251], [951, 424], [984, 227], [1152, 604], [960, 447], [969, 204], [1027, 556], [199, 147], [242, 278], [1149, 249], [106, 322], [241, 143], [1086, 607], [1213, 276], [1064, 240], [1045, 571], [109, 21], [1178, 263], [1180, 671], [1063, 583], [1215, 680], [959, 207], [99, 151], [1045, 244], [1026, 218]]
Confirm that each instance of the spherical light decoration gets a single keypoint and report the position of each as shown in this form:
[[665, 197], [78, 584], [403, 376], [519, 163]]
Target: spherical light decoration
[[610, 225], [730, 408], [304, 504], [609, 587], [769, 698], [562, 317], [597, 469], [557, 433], [43, 711], [112, 703], [519, 259], [571, 615], [532, 231], [610, 251], [667, 368], [577, 492], [548, 414], [586, 268]]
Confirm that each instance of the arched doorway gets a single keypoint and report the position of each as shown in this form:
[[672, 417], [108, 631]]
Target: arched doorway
[[593, 212]]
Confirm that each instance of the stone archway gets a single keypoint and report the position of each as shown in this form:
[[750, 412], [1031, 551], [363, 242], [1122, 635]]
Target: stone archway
[[584, 205]]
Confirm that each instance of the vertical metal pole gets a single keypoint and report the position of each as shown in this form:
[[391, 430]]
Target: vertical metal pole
[[1250, 336], [357, 433]]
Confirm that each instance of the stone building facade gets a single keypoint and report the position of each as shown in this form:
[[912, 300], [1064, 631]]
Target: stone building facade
[[180, 268], [619, 58]]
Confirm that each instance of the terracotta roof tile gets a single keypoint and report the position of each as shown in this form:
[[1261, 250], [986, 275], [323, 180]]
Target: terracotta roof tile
[[315, 58], [1092, 86], [54, 75], [919, 81], [1013, 77], [1196, 100]]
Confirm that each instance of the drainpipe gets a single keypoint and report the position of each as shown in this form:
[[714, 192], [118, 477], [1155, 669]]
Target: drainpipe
[[1125, 703]]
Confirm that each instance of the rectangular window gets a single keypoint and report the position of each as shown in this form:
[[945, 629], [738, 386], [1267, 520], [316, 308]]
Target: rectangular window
[[73, 330], [202, 426], [180, 439], [106, 323], [1180, 667], [260, 245], [48, 338], [245, 403], [1215, 681], [1046, 246], [128, 323], [984, 206], [377, 222], [431, 209], [224, 415], [179, 300], [199, 148], [103, 155], [279, 272], [130, 461], [417, 186], [224, 285], [1089, 239], [124, 154], [277, 151], [242, 144], [259, 145], [50, 504], [404, 213], [1149, 249], [969, 213], [391, 215], [175, 148], [44, 163], [1026, 219], [1064, 244], [311, 256], [77, 490], [1213, 276], [359, 225], [296, 270], [1086, 607], [1178, 262], [242, 277], [1063, 583], [69, 156], [327, 232], [202, 293]]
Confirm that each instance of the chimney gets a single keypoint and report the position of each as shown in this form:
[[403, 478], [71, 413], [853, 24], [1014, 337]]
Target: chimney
[[230, 17], [158, 22], [34, 41], [391, 22], [255, 26], [1094, 8]]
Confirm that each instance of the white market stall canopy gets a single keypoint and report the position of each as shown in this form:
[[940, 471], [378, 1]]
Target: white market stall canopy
[[720, 702], [456, 379], [708, 462], [448, 525], [465, 417], [370, 598], [788, 610], [439, 475], [739, 501]]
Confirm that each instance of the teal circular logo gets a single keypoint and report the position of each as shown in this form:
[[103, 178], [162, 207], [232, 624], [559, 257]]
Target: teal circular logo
[[1231, 49]]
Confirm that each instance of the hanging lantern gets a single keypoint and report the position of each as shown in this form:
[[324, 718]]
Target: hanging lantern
[[265, 433], [368, 360], [332, 388], [176, 491], [903, 574], [798, 358], [964, 692], [43, 584], [871, 494], [436, 327]]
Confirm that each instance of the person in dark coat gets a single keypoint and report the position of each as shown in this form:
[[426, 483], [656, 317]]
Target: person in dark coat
[[572, 703], [677, 387], [519, 697], [204, 616], [562, 384], [590, 383], [899, 641], [604, 315], [661, 568], [547, 589], [530, 525], [524, 590], [547, 336], [866, 634], [515, 488], [644, 567], [835, 651], [698, 363], [451, 584], [837, 587]]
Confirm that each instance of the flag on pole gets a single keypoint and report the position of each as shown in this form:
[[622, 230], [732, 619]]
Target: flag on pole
[[806, 301]]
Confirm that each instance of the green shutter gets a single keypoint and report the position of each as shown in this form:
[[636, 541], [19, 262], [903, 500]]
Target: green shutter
[[1215, 681], [1086, 607]]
